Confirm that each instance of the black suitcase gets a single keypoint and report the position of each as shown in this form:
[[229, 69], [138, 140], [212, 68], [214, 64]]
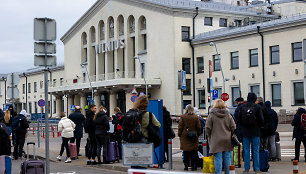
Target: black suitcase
[[32, 166]]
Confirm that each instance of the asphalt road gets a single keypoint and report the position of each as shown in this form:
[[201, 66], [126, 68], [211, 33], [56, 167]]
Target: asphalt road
[[65, 168]]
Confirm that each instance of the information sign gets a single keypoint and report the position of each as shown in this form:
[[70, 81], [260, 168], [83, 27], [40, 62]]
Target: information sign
[[137, 154]]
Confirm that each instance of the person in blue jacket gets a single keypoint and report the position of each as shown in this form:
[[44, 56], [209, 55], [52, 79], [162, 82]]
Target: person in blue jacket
[[78, 118]]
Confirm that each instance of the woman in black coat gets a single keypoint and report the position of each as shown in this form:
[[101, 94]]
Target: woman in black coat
[[101, 132], [167, 130], [298, 133]]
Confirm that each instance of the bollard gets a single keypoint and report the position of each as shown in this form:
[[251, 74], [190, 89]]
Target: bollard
[[43, 132], [52, 128], [57, 131], [295, 166], [232, 169], [170, 154], [33, 130], [204, 145]]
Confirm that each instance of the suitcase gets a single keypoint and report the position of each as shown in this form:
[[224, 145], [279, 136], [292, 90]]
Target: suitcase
[[236, 156], [264, 160], [73, 151], [5, 165], [111, 152], [32, 166], [278, 151]]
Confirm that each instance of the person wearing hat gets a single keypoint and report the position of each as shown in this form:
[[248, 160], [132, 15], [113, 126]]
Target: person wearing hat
[[240, 102], [19, 127]]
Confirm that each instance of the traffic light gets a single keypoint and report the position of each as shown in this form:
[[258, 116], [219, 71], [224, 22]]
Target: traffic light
[[208, 98], [208, 85]]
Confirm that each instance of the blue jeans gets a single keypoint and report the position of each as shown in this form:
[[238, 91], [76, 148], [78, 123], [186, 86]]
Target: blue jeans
[[246, 147], [218, 162]]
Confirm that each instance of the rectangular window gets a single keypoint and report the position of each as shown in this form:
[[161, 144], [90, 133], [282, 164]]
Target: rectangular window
[[208, 21], [186, 102], [202, 101], [23, 88], [54, 82], [254, 57], [188, 87], [297, 51], [41, 84], [61, 81], [223, 22], [255, 89], [35, 107], [274, 54], [299, 93], [145, 42], [235, 60], [54, 106], [217, 65], [200, 63], [237, 22], [276, 95], [143, 70], [29, 87], [235, 95], [185, 34], [186, 65], [35, 86], [30, 108]]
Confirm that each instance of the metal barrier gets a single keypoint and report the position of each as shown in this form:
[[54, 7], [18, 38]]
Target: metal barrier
[[136, 171]]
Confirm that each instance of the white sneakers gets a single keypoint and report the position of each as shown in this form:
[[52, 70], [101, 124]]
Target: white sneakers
[[68, 160], [59, 158]]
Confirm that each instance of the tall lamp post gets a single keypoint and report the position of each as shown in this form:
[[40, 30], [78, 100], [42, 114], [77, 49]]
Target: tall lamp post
[[26, 91], [213, 44], [84, 65], [144, 75], [4, 79]]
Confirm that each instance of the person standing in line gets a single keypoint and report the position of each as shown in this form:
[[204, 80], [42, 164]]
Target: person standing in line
[[19, 127], [273, 122], [1, 116], [89, 127], [8, 121], [13, 114], [264, 130], [117, 122], [66, 127], [78, 118], [167, 131], [240, 102], [189, 124], [251, 119], [101, 133], [219, 127], [298, 133]]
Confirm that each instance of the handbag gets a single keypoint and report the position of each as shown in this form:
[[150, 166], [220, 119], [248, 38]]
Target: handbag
[[208, 164], [154, 132], [172, 134], [192, 134], [235, 141]]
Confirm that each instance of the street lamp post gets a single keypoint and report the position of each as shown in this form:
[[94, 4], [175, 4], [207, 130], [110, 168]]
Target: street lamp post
[[213, 44], [26, 91], [84, 64], [144, 75], [4, 79]]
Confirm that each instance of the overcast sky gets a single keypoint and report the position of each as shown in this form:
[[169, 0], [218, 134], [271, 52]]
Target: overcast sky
[[16, 28]]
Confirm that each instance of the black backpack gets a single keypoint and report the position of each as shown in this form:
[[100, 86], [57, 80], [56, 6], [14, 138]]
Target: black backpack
[[248, 117], [17, 125], [154, 133], [131, 127], [5, 145]]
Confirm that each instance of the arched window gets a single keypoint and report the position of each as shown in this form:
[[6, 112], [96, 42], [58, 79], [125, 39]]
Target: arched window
[[143, 25], [111, 28], [102, 30], [132, 24], [121, 25], [84, 39], [84, 47], [93, 34]]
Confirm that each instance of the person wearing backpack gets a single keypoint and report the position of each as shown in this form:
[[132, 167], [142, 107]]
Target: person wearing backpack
[[1, 116], [8, 121], [251, 119], [299, 132], [101, 133], [89, 127], [264, 130], [19, 127], [273, 122], [117, 122], [5, 145], [13, 114], [189, 129], [240, 103]]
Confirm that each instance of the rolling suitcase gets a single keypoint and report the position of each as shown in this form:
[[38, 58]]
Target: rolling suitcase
[[278, 151], [32, 166], [73, 151], [111, 152], [264, 160]]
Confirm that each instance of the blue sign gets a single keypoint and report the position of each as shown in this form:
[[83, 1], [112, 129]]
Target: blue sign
[[133, 98], [72, 107], [215, 94], [184, 86], [41, 103]]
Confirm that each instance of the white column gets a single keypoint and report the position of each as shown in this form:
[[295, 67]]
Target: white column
[[70, 102], [97, 99], [59, 103], [83, 103], [76, 100], [112, 103]]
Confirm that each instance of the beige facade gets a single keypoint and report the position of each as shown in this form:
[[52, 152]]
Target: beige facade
[[284, 71]]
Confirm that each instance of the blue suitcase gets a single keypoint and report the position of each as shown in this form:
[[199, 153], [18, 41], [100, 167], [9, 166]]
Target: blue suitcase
[[112, 151], [264, 160]]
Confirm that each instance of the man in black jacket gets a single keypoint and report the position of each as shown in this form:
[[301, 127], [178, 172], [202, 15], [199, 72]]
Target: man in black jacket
[[251, 119], [298, 133], [78, 118], [264, 129], [101, 132], [273, 122], [240, 102], [89, 127], [19, 127]]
